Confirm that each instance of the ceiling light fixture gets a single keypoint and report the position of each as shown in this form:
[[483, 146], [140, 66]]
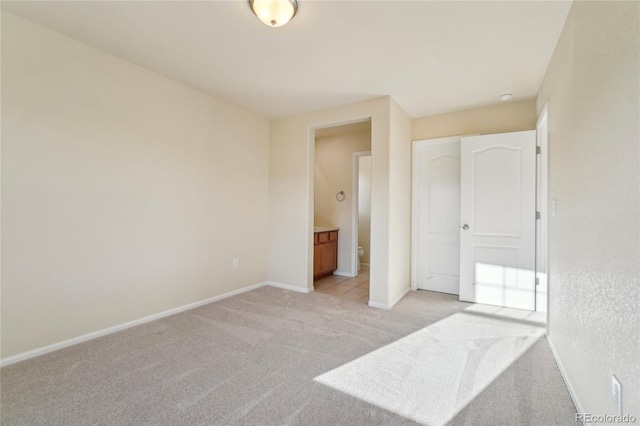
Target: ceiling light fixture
[[274, 13], [506, 96]]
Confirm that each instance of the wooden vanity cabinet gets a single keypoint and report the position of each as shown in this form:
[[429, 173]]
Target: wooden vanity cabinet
[[325, 253]]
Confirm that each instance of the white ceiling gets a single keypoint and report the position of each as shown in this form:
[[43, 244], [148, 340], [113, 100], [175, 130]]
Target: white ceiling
[[430, 56]]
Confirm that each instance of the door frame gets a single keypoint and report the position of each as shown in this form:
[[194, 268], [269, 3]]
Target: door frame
[[542, 206], [311, 156], [414, 197], [355, 179]]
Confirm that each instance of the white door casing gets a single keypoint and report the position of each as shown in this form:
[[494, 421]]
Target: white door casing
[[436, 215], [497, 218], [542, 203]]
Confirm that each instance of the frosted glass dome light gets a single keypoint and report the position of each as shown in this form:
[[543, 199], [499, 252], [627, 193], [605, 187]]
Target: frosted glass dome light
[[274, 13]]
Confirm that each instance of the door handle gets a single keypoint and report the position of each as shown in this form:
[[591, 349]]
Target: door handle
[[465, 227]]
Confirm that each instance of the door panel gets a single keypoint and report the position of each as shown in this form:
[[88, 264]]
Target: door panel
[[444, 259], [437, 215], [496, 191], [497, 245]]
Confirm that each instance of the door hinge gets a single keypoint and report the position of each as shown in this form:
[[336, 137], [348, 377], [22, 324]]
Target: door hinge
[[538, 150], [537, 215], [537, 281]]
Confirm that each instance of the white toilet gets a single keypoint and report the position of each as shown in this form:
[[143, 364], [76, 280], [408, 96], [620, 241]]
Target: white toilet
[[360, 253]]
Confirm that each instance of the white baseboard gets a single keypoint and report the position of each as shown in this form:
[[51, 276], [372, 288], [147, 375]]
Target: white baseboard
[[90, 336], [567, 381], [94, 335], [390, 305], [378, 305], [289, 287], [342, 274]]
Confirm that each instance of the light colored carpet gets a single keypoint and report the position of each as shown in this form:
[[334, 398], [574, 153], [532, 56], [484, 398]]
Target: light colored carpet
[[272, 357]]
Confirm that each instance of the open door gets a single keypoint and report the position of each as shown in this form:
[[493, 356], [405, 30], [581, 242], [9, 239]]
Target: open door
[[497, 219]]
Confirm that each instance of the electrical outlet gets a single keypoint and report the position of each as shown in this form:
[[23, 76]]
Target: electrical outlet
[[236, 263], [616, 394]]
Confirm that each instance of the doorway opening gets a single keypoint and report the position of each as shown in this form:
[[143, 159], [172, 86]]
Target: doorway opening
[[336, 199], [362, 211]]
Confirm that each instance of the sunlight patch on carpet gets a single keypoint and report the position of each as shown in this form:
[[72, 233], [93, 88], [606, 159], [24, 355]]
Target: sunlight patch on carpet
[[432, 374]]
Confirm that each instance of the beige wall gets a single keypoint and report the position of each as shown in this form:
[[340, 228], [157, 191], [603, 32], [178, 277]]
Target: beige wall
[[592, 91], [500, 118], [364, 206], [291, 192], [124, 193], [334, 173]]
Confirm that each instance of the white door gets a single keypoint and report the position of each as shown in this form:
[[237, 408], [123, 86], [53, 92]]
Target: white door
[[436, 213], [497, 218]]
